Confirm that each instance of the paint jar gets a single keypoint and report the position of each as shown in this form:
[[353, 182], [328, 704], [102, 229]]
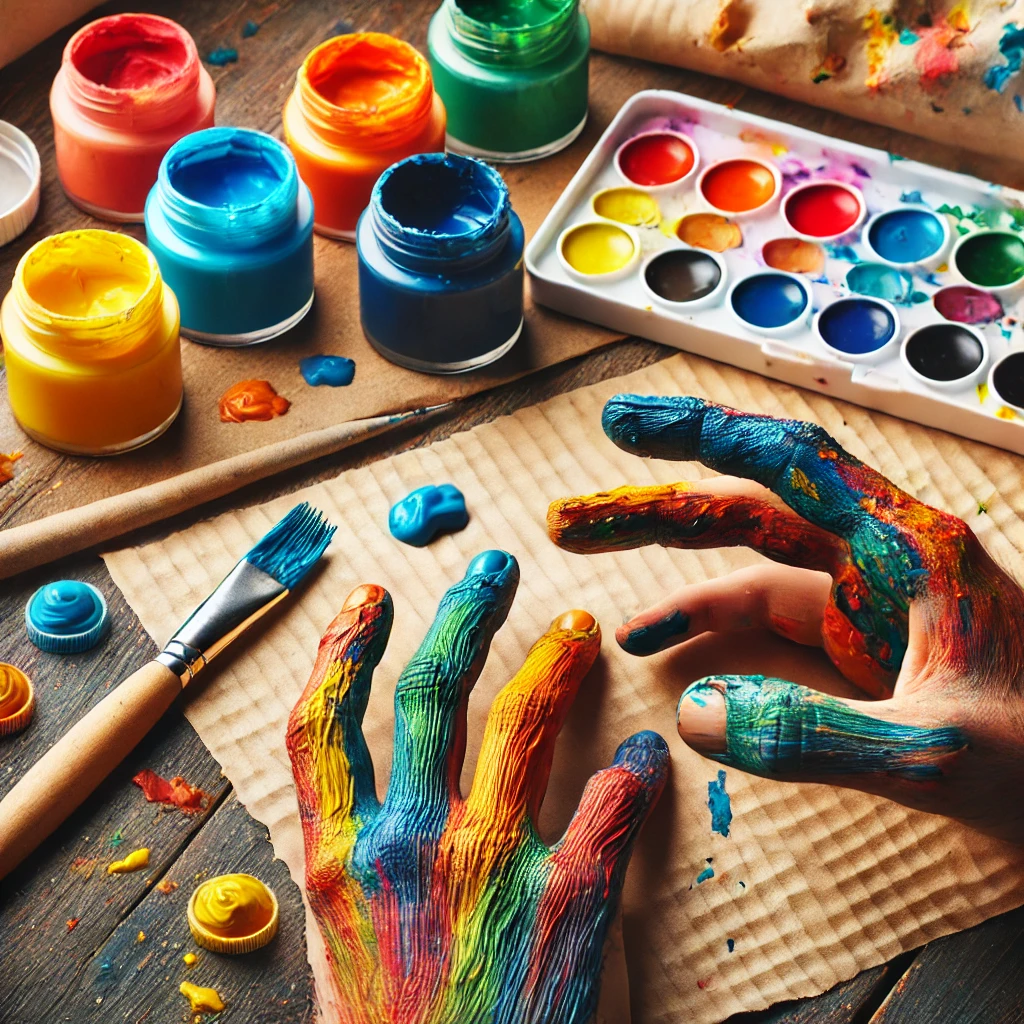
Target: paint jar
[[908, 237], [858, 329], [945, 356], [1006, 381], [685, 280], [822, 211], [993, 260], [128, 88], [739, 187], [657, 160], [441, 265], [361, 103], [231, 226], [599, 251], [773, 303], [90, 336], [513, 75]]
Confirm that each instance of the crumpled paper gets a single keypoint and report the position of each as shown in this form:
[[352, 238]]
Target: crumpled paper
[[813, 883]]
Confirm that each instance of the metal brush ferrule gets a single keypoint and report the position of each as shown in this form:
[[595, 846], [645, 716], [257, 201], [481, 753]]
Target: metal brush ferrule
[[244, 595]]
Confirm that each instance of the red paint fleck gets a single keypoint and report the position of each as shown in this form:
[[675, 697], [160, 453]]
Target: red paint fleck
[[7, 466], [175, 792], [73, 923], [703, 983], [166, 886]]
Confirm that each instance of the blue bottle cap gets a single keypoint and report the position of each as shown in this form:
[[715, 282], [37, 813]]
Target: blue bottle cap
[[66, 617]]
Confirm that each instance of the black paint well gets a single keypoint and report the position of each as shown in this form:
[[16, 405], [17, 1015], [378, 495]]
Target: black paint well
[[944, 352], [682, 275], [1008, 379]]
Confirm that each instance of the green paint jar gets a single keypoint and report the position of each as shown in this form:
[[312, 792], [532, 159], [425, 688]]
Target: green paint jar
[[512, 74]]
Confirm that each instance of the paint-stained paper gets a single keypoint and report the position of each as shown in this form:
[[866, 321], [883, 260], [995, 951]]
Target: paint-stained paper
[[948, 70], [811, 885]]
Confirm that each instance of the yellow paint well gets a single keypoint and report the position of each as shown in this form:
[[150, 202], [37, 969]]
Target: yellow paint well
[[627, 206], [596, 249]]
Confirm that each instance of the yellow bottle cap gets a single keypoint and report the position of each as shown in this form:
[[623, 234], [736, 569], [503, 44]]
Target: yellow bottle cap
[[232, 914], [17, 699]]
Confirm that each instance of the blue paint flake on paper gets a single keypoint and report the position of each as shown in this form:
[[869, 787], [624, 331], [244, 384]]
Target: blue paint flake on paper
[[719, 805], [424, 513], [334, 371], [221, 56], [1011, 46], [249, 29], [913, 196], [908, 36]]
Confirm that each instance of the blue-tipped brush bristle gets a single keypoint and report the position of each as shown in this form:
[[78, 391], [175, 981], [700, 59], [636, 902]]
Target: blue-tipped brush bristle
[[291, 548]]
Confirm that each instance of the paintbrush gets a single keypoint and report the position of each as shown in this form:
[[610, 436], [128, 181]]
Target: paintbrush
[[78, 762]]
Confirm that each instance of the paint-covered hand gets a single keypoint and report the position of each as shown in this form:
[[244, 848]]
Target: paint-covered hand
[[439, 908], [902, 596]]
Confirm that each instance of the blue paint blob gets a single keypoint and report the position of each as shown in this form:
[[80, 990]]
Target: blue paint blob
[[843, 252], [1011, 46], [708, 872], [769, 300], [719, 805], [884, 282], [730, 944], [856, 326], [249, 29], [334, 371], [906, 236], [66, 617], [907, 37], [222, 56], [913, 196], [424, 513]]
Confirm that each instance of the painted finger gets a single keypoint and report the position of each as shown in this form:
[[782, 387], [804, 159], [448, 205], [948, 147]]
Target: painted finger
[[689, 516], [523, 724], [777, 729], [330, 762], [431, 694], [786, 600], [588, 867]]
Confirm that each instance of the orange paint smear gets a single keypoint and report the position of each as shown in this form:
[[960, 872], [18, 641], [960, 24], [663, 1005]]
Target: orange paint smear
[[737, 186], [709, 231], [794, 255], [251, 400], [72, 923], [7, 466], [166, 887], [730, 26], [175, 792]]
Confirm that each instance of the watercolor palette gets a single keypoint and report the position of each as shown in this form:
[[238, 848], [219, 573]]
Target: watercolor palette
[[828, 265]]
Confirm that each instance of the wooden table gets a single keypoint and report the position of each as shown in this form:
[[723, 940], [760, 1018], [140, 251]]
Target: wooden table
[[121, 961]]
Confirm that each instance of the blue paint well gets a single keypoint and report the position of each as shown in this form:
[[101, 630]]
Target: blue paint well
[[856, 326], [719, 805], [769, 300], [231, 226], [1011, 46], [440, 264], [333, 371], [428, 511], [66, 617], [884, 282], [906, 236]]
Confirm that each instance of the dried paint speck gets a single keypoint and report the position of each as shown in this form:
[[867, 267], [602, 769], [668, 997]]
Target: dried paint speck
[[720, 805]]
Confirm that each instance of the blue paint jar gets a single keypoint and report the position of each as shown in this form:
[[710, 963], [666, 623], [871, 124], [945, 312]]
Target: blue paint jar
[[231, 226], [440, 265]]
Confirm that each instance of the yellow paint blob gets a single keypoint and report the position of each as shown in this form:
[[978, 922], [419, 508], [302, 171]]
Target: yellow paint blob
[[133, 862], [982, 392], [201, 1000], [190, 959], [627, 206], [232, 914], [142, 937], [16, 699], [794, 255], [597, 249], [709, 231], [1004, 412]]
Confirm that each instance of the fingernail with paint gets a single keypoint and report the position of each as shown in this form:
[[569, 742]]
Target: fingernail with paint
[[655, 636], [368, 593], [701, 718], [577, 619], [489, 562]]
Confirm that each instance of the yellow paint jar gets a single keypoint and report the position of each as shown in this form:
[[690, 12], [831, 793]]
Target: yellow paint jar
[[90, 336], [233, 914]]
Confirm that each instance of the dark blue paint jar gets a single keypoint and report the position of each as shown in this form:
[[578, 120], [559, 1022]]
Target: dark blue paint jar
[[440, 265], [231, 226]]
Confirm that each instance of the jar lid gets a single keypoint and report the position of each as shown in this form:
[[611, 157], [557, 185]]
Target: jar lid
[[19, 182], [17, 699], [232, 914], [66, 617]]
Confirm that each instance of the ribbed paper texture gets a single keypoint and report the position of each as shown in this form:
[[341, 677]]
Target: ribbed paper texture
[[813, 884]]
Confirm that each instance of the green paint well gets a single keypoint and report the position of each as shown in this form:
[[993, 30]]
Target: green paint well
[[991, 259]]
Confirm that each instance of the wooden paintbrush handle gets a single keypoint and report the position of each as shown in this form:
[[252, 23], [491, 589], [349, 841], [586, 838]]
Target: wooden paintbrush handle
[[80, 760]]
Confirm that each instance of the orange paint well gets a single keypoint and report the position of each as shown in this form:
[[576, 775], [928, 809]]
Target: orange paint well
[[739, 186], [709, 231], [794, 255], [251, 400]]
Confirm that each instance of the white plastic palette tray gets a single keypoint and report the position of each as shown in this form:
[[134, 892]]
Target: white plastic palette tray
[[986, 404]]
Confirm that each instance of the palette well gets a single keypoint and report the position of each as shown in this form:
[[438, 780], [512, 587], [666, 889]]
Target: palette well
[[835, 267]]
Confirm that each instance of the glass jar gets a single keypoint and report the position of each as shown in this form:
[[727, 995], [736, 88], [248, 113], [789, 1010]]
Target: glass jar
[[361, 102], [129, 86], [512, 74], [441, 265], [231, 226], [90, 336]]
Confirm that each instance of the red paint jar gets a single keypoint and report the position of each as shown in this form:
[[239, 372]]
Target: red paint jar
[[128, 88]]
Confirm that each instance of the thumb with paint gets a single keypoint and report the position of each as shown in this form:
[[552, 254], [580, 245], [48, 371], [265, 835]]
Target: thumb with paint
[[902, 598]]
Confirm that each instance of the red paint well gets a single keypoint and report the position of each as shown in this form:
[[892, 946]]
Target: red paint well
[[656, 159], [822, 210]]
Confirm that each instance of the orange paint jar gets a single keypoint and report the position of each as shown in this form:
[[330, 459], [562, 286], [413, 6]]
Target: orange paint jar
[[361, 103], [128, 88]]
